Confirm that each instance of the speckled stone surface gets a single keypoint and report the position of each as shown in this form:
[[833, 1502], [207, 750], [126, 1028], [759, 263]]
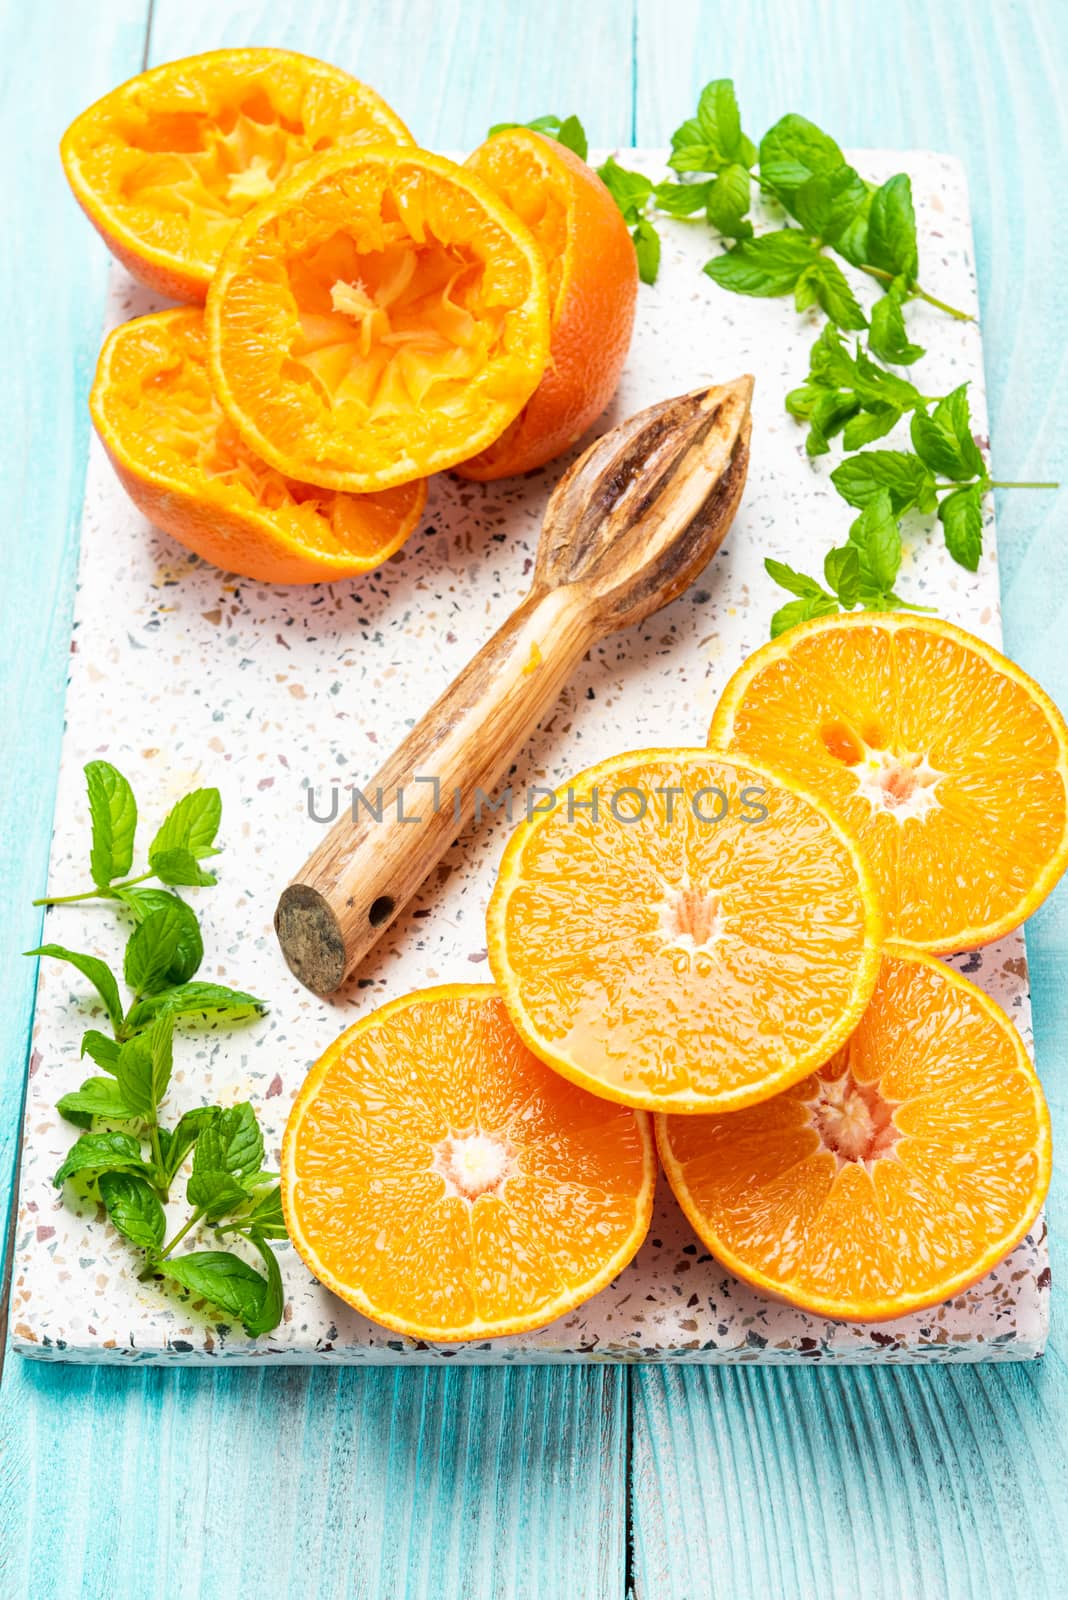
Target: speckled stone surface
[[183, 675]]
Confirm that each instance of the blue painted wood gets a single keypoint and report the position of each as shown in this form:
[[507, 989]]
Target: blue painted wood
[[450, 70], [893, 1484], [286, 1483], [511, 1483]]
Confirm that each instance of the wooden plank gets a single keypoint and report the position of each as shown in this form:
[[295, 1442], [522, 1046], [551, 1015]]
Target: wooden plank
[[315, 1484], [450, 70], [54, 272], [296, 1483], [936, 1483]]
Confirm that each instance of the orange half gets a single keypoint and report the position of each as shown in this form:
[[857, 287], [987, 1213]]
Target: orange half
[[947, 761], [185, 466], [380, 318], [705, 936], [891, 1179], [441, 1180], [168, 163], [593, 287]]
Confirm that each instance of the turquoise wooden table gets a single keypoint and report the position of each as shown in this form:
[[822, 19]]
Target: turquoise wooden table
[[598, 1482]]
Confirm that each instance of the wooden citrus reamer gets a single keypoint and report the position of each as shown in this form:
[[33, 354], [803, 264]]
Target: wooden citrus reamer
[[628, 527]]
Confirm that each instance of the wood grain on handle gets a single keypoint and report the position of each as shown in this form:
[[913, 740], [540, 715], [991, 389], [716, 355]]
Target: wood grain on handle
[[365, 870]]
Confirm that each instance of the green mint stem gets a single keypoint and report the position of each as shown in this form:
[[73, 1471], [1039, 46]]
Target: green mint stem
[[951, 311], [93, 894], [153, 1134], [919, 294], [1003, 483], [180, 1235]]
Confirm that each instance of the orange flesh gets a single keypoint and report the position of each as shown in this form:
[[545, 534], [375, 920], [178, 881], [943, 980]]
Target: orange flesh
[[379, 321], [535, 192], [154, 406], [688, 965], [443, 1181], [946, 761], [593, 282], [538, 194], [896, 1175], [177, 156]]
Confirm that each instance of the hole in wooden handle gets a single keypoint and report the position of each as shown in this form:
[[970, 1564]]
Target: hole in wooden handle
[[381, 910]]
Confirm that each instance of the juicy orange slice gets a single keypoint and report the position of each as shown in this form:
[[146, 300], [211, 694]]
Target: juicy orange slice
[[593, 286], [185, 466], [947, 761], [165, 165], [383, 316], [444, 1182], [705, 936], [891, 1179]]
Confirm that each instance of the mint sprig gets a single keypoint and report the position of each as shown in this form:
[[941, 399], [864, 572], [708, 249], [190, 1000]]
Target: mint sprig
[[633, 193], [862, 572], [185, 837], [126, 1150], [829, 218]]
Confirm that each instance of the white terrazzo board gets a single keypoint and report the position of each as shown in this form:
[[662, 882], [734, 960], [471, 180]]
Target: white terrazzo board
[[183, 675]]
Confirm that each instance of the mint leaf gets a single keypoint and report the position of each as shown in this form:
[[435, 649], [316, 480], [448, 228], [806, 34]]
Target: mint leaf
[[943, 439], [572, 135], [113, 814], [144, 1067], [827, 202], [795, 611], [874, 423], [176, 1143], [99, 1048], [134, 1208], [98, 972], [859, 478], [211, 1189], [796, 582], [792, 152], [831, 413], [830, 362], [189, 945], [800, 402], [647, 246], [221, 1277], [713, 138], [164, 949], [961, 516], [190, 825], [852, 242], [97, 1097], [269, 1313], [629, 190], [180, 868], [887, 337], [828, 286], [236, 1136], [682, 199], [229, 1152], [892, 229], [728, 201], [195, 999], [102, 1152], [841, 568], [266, 1215], [877, 539], [766, 266]]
